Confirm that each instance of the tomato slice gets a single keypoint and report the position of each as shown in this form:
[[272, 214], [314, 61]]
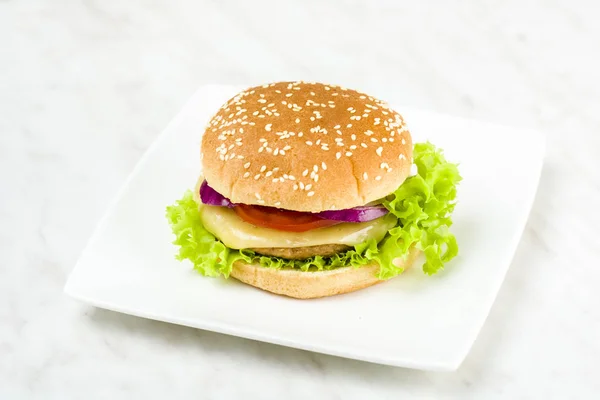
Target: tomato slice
[[283, 220]]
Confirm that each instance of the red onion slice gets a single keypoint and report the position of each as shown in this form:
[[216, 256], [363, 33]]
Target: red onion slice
[[357, 214], [211, 197]]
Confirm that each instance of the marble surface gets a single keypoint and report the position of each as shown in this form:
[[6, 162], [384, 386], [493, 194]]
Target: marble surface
[[86, 86]]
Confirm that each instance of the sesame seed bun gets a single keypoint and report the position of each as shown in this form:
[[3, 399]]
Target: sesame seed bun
[[305, 147], [309, 285]]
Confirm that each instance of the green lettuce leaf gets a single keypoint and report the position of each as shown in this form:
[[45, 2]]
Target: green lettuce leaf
[[421, 207], [209, 255]]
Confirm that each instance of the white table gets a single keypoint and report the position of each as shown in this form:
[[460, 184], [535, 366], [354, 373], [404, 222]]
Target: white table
[[86, 86]]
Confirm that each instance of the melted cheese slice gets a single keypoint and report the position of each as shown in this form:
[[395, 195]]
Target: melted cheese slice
[[235, 233]]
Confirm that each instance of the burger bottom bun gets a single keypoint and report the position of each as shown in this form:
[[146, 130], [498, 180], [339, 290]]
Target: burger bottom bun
[[310, 285]]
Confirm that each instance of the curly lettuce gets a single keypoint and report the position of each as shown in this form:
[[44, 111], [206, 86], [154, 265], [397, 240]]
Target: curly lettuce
[[422, 207]]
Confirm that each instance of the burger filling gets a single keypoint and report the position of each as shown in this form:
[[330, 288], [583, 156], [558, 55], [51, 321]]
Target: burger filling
[[418, 214]]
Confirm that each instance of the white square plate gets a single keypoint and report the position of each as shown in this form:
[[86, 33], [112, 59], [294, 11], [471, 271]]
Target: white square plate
[[412, 321]]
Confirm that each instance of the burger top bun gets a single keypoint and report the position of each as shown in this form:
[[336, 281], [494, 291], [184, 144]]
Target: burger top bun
[[305, 147]]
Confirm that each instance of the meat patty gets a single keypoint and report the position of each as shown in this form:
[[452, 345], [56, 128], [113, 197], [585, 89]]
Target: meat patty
[[301, 253]]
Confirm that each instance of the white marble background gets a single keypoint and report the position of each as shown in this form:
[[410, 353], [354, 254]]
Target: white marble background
[[85, 86]]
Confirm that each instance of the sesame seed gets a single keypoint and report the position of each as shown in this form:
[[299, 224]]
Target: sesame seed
[[276, 151], [379, 150], [324, 166], [353, 136], [365, 176], [256, 176], [289, 95], [261, 101], [301, 186], [336, 127], [353, 147], [300, 134], [383, 165], [257, 195], [269, 173], [384, 140], [268, 127], [363, 145], [308, 187], [378, 178], [308, 142], [297, 120], [305, 172], [348, 153], [349, 126], [247, 174], [263, 168], [310, 194], [315, 168], [402, 156], [295, 186], [374, 140], [403, 141], [275, 180], [338, 155], [277, 204]]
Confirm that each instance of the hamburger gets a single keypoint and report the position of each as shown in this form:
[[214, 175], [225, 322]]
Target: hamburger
[[311, 190]]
